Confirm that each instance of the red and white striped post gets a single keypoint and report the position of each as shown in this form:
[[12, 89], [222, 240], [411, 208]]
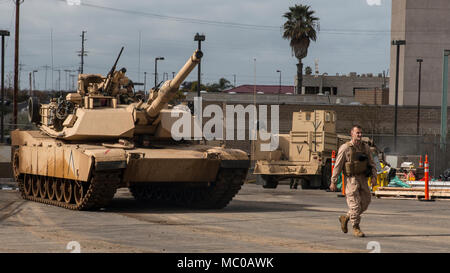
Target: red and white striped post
[[333, 161], [420, 162], [343, 184], [427, 170]]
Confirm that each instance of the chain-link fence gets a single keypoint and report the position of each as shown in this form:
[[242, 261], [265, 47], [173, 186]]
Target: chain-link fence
[[417, 145]]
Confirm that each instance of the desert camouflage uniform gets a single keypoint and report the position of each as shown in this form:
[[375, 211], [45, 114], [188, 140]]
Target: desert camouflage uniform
[[356, 187]]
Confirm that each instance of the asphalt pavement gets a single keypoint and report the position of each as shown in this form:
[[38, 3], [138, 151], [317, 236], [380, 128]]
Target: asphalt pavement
[[257, 220]]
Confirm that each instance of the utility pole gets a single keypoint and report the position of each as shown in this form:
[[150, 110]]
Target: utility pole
[[59, 79], [234, 80], [82, 53], [20, 73], [66, 79], [46, 67], [3, 33], [139, 58], [51, 51], [30, 93], [34, 82], [145, 84], [200, 39], [156, 69], [72, 76], [16, 63]]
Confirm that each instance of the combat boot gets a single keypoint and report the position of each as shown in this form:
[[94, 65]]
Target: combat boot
[[357, 231], [344, 221]]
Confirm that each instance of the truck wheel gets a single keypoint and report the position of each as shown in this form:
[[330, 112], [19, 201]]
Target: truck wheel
[[326, 175], [293, 183], [267, 181], [33, 110], [305, 184]]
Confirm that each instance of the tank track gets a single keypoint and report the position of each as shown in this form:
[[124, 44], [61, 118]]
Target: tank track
[[100, 191], [215, 196]]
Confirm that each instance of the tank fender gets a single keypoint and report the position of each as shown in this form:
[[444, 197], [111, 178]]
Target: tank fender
[[108, 159], [230, 158]]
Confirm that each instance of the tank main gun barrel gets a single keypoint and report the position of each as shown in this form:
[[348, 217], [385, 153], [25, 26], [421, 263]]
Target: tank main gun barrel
[[170, 87]]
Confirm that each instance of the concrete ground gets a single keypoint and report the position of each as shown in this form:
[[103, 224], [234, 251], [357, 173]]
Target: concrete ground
[[257, 220]]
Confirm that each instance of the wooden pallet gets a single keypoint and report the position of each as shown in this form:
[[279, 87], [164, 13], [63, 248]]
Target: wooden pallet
[[411, 193]]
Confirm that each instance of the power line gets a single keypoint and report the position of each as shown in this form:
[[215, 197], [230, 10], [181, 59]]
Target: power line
[[225, 23], [181, 19]]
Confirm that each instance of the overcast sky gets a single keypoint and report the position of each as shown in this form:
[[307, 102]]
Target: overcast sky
[[354, 37]]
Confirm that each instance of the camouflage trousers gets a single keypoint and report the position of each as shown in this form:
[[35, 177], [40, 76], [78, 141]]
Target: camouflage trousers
[[358, 197]]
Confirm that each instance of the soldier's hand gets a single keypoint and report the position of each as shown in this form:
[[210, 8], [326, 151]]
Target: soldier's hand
[[333, 187], [373, 181]]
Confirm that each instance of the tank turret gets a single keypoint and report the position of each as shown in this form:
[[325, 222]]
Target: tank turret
[[105, 107]]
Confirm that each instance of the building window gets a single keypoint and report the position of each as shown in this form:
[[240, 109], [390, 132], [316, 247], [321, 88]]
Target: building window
[[311, 90], [314, 90], [327, 117], [330, 90], [308, 116]]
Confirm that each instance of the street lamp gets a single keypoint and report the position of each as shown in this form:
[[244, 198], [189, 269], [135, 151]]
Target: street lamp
[[156, 69], [66, 79], [3, 33], [398, 43], [72, 77], [34, 82], [145, 83], [279, 89], [418, 96], [200, 39]]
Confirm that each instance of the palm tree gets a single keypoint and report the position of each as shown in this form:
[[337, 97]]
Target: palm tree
[[301, 28]]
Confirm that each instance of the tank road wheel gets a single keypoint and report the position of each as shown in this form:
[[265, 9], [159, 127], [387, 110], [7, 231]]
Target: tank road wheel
[[139, 191], [78, 192], [71, 194], [220, 192], [51, 187], [188, 196], [59, 189], [15, 165], [28, 181], [42, 187], [35, 185], [67, 191], [145, 192]]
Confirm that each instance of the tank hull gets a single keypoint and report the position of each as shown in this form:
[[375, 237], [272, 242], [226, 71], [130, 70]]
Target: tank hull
[[169, 171]]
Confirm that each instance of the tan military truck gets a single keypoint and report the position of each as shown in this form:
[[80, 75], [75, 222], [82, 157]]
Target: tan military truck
[[303, 155]]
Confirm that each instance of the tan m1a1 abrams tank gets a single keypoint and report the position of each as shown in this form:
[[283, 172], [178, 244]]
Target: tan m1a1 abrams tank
[[89, 144]]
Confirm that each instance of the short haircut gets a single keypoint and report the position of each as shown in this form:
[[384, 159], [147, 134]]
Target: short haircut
[[356, 126]]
